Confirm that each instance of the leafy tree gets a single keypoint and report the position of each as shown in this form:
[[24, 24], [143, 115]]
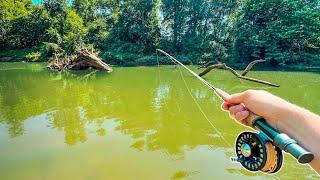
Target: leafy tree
[[9, 11], [194, 25], [174, 16], [55, 7], [58, 12], [67, 28], [97, 32], [87, 9], [29, 30], [137, 29], [280, 31], [74, 31]]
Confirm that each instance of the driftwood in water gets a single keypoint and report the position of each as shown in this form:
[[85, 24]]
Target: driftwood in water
[[220, 65], [84, 60]]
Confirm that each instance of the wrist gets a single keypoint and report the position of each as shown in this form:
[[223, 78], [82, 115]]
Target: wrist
[[293, 119], [284, 116]]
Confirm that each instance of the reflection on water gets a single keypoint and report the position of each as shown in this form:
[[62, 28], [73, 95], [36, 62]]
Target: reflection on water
[[160, 94], [132, 117]]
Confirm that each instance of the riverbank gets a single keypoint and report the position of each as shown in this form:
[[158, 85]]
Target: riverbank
[[127, 60]]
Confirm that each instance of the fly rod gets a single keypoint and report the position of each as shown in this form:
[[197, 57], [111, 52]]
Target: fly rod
[[262, 150]]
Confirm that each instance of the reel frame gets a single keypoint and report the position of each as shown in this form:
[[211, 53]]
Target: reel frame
[[256, 152]]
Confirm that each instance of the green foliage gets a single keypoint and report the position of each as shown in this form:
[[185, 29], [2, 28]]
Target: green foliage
[[120, 58], [55, 8], [9, 11], [86, 9], [74, 32], [53, 35], [197, 28], [97, 31], [28, 31], [33, 56], [137, 29], [17, 54], [128, 32], [66, 31], [280, 31], [50, 49]]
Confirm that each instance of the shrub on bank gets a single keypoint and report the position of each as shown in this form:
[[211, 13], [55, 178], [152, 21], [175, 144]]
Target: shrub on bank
[[33, 56]]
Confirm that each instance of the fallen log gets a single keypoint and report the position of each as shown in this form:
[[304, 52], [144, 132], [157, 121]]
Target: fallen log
[[242, 75], [84, 60]]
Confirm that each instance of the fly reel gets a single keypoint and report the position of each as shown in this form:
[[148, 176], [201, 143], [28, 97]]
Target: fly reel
[[256, 152], [262, 151]]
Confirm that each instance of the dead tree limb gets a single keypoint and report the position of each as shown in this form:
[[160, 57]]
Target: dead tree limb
[[241, 76], [250, 65], [209, 68]]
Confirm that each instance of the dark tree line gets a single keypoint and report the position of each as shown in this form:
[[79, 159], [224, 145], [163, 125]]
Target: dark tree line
[[128, 32]]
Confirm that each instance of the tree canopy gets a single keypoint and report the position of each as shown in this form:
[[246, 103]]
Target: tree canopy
[[278, 31]]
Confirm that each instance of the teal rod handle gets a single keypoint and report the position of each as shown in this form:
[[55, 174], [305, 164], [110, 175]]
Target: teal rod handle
[[284, 142]]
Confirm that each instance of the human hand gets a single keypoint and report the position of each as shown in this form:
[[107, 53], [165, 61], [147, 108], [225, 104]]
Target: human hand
[[261, 103]]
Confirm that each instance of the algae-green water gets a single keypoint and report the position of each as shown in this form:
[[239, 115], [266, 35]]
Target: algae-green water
[[135, 123]]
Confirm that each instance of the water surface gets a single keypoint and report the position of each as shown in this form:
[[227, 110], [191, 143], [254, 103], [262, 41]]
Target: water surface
[[135, 123]]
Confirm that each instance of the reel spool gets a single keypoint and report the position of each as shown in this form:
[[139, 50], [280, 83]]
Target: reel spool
[[256, 153]]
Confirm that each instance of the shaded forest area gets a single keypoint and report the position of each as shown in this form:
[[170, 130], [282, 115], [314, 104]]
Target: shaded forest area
[[281, 32]]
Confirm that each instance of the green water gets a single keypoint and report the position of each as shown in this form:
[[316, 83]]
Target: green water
[[136, 123]]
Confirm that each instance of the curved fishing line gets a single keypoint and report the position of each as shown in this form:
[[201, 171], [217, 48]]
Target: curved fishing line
[[159, 76], [177, 104], [194, 99], [160, 80], [201, 110]]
